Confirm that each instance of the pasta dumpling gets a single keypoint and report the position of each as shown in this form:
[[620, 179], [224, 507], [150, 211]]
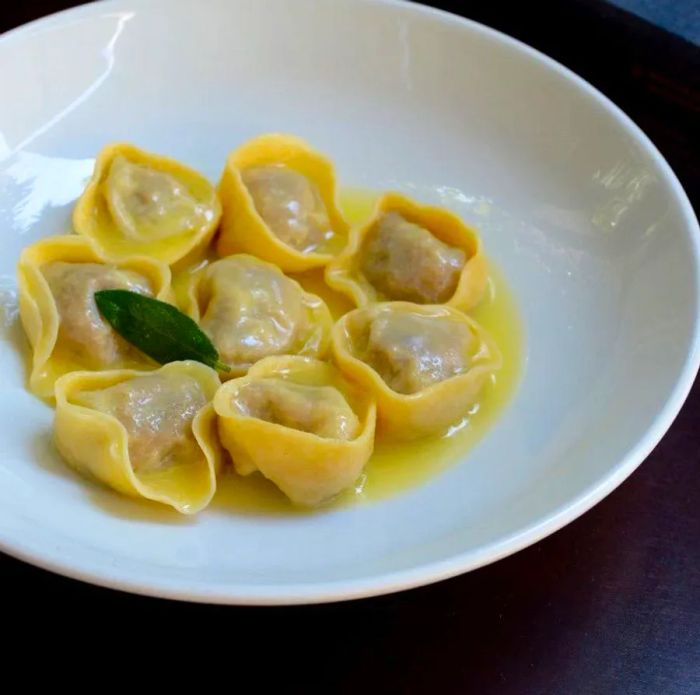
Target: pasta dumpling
[[411, 252], [140, 203], [251, 310], [301, 424], [279, 203], [148, 434], [424, 364], [58, 277]]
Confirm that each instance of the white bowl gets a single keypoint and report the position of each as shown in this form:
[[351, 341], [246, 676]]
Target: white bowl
[[587, 220]]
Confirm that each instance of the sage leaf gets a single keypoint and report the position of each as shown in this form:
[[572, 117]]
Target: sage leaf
[[157, 328]]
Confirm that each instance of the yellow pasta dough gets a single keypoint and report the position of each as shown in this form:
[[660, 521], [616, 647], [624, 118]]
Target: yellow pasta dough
[[57, 280], [411, 252], [145, 434], [251, 310], [424, 364], [145, 204], [280, 203], [300, 423]]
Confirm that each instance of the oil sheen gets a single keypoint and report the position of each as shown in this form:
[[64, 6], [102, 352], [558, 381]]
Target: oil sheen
[[398, 466]]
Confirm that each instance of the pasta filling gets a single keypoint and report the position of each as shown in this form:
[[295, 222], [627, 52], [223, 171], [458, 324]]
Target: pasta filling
[[157, 411], [319, 410], [81, 326], [412, 352], [290, 204], [147, 204], [253, 311], [404, 261]]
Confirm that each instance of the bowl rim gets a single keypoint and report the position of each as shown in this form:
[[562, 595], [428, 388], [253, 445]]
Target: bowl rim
[[340, 590]]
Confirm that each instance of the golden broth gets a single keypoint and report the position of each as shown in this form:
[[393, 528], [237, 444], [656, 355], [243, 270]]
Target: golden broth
[[397, 466]]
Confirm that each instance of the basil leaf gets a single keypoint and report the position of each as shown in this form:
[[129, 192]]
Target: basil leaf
[[156, 328]]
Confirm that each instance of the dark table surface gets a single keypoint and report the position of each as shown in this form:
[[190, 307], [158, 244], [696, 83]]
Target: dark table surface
[[608, 605]]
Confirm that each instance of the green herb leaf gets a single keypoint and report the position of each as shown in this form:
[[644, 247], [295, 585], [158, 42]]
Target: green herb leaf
[[156, 328]]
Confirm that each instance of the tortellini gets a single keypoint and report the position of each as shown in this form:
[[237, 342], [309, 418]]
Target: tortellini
[[424, 364], [141, 203], [251, 310], [58, 277], [147, 434], [411, 252], [279, 203], [247, 258], [300, 423]]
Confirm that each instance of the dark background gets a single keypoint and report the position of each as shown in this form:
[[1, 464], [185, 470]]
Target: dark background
[[609, 605]]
